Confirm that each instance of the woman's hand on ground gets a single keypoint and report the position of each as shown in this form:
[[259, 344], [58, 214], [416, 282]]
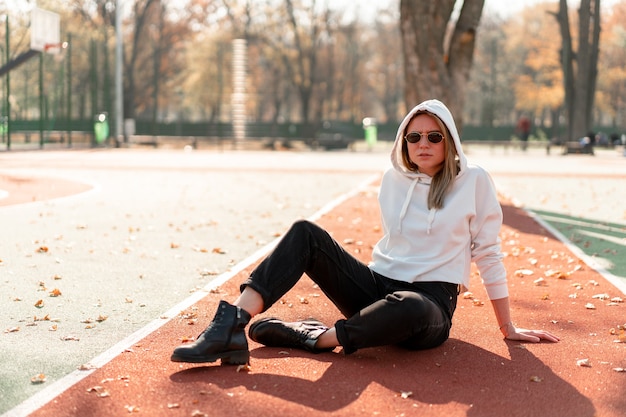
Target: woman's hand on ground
[[526, 335]]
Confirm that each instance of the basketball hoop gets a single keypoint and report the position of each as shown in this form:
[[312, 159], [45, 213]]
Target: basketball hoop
[[55, 48], [45, 31]]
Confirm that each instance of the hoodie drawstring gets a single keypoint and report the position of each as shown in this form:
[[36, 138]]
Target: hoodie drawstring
[[407, 201], [431, 218], [405, 207]]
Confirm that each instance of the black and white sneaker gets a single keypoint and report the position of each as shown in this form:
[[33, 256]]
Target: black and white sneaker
[[299, 334]]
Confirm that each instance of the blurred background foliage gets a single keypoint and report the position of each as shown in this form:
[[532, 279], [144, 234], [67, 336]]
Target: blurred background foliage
[[307, 62]]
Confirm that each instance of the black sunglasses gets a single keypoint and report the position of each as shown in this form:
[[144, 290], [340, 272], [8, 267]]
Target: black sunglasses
[[433, 137]]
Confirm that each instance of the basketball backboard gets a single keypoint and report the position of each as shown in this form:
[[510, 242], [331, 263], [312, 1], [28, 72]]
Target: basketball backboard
[[45, 31]]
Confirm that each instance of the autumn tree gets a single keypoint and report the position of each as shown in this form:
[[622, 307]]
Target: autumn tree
[[580, 67], [306, 40], [490, 97], [530, 50], [382, 70], [438, 50], [611, 94]]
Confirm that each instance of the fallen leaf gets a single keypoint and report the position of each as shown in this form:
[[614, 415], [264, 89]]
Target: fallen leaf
[[55, 292], [477, 303], [244, 368], [38, 379], [39, 304], [556, 274], [12, 330], [99, 391], [601, 296]]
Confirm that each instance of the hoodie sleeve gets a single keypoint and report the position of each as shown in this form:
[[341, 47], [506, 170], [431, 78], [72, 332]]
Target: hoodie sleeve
[[485, 229]]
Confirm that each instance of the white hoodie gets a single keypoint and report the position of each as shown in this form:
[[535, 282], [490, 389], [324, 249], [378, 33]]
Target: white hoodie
[[421, 244]]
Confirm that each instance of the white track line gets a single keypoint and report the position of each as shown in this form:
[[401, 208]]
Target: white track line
[[58, 387], [588, 260]]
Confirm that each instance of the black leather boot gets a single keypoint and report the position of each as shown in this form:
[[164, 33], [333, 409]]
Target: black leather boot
[[224, 339]]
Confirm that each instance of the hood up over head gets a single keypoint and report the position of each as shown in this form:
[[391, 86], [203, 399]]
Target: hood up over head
[[436, 108]]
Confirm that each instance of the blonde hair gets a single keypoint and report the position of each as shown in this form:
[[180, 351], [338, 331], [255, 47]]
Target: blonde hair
[[442, 181]]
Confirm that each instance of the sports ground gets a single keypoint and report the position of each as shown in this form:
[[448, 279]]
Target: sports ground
[[111, 258]]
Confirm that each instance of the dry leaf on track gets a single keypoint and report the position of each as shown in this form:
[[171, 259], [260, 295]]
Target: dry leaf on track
[[38, 379]]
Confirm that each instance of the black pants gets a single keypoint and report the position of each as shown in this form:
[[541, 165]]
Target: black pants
[[379, 310]]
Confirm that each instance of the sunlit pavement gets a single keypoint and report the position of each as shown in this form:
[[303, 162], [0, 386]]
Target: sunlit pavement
[[582, 197], [161, 224]]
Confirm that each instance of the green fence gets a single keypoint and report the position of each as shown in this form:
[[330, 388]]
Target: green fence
[[385, 131]]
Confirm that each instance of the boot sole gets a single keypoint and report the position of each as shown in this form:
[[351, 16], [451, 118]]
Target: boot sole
[[237, 357]]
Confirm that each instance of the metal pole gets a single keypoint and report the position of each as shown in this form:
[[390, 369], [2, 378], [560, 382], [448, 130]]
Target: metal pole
[[41, 105], [119, 99], [69, 90], [239, 90], [8, 100]]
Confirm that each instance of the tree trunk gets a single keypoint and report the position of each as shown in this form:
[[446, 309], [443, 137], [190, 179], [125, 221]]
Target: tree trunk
[[140, 12], [304, 74], [580, 86], [567, 64], [437, 65]]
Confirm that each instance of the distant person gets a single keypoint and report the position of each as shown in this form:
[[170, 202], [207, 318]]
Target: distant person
[[523, 128], [588, 142], [439, 214]]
